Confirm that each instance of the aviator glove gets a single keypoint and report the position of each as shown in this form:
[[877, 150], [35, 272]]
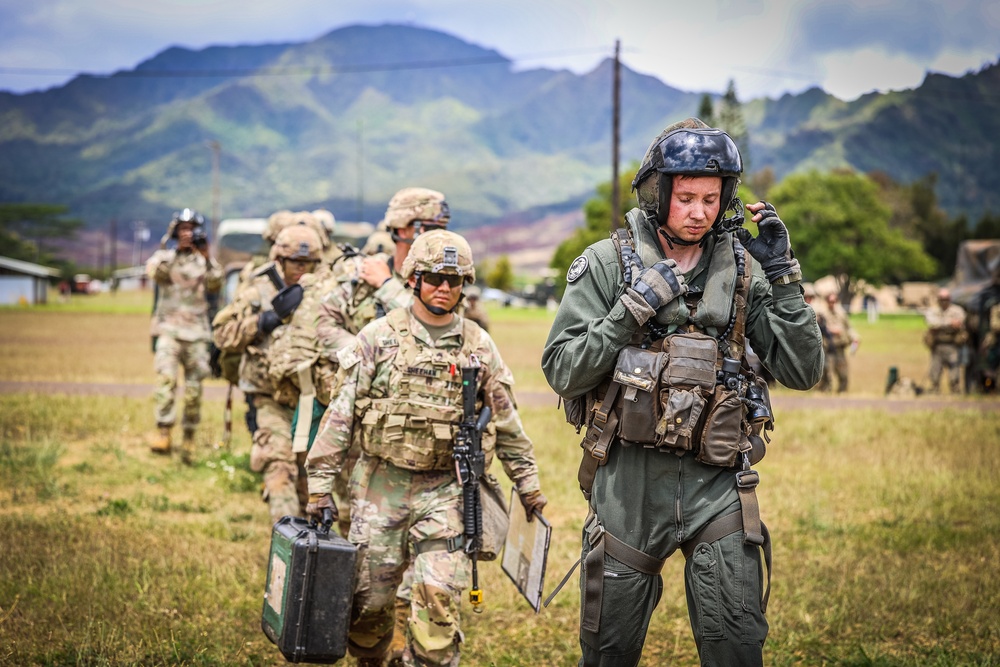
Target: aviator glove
[[652, 288], [287, 300], [322, 508], [533, 502], [771, 247]]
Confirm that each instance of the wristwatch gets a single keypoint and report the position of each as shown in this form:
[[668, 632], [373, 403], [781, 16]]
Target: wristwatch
[[794, 277]]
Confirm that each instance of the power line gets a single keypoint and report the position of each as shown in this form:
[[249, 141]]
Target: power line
[[307, 71]]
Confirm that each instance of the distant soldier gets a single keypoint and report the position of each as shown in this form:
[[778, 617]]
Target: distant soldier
[[185, 276], [474, 309], [248, 325], [399, 391], [945, 337], [838, 337]]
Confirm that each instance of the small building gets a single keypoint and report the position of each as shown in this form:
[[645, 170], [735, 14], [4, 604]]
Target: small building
[[23, 282]]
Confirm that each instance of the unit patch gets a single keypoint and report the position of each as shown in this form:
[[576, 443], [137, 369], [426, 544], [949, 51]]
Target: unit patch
[[577, 268]]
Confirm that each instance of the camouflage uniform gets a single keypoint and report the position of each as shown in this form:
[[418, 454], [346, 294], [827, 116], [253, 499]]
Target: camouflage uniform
[[182, 329], [395, 390], [249, 325], [839, 336], [945, 337]]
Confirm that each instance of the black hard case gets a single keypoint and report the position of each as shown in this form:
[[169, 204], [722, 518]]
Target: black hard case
[[310, 586]]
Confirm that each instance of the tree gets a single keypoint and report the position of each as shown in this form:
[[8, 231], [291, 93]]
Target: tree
[[839, 225], [730, 119], [501, 275], [916, 214], [597, 224], [705, 110], [28, 231]]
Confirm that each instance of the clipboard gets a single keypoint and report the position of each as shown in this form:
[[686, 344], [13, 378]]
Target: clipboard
[[526, 551]]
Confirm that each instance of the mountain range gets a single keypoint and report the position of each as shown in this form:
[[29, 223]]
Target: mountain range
[[345, 120]]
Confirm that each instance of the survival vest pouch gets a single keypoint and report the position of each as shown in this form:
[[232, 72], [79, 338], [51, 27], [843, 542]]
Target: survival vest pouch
[[638, 372]]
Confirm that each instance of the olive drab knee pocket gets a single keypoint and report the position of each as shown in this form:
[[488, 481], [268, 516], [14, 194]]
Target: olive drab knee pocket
[[727, 585]]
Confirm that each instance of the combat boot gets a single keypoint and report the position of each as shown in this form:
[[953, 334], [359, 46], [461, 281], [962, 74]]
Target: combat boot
[[161, 445], [187, 448]]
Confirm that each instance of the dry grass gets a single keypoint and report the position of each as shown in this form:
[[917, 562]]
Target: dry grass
[[885, 525]]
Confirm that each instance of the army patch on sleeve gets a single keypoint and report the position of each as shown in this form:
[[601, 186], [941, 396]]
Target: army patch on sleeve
[[577, 268]]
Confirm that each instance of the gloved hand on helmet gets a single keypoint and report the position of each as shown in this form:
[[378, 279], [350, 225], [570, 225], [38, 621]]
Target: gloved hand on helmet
[[652, 288], [771, 247]]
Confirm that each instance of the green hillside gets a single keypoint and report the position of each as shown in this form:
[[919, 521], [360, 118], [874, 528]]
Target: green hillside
[[365, 110]]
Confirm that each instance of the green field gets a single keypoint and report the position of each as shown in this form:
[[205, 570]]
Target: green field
[[885, 523]]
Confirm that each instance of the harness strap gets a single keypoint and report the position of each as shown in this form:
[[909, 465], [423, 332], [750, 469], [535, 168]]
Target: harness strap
[[450, 544], [602, 542]]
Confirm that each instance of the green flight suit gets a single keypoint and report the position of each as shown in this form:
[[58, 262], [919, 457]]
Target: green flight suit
[[654, 500]]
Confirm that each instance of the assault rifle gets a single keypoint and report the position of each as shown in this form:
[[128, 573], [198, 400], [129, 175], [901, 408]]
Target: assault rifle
[[470, 463]]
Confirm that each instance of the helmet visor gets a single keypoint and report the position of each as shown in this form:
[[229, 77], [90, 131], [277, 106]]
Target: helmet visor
[[708, 152]]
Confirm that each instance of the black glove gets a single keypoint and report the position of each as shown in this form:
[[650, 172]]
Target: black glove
[[268, 322], [287, 300], [652, 288], [771, 247], [322, 508]]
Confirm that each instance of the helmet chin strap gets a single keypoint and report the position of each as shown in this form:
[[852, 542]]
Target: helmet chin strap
[[437, 310]]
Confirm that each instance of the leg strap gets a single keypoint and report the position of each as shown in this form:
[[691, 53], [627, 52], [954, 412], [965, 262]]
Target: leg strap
[[601, 542]]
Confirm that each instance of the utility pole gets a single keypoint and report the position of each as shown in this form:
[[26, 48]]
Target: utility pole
[[361, 170], [616, 195], [113, 234], [216, 150]]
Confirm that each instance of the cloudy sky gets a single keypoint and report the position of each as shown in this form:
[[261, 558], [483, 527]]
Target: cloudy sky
[[768, 47]]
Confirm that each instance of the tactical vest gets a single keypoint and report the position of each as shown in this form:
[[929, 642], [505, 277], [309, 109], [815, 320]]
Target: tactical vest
[[414, 427], [679, 386]]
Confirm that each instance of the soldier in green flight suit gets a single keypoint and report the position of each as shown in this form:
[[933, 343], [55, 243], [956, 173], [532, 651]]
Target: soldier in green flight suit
[[647, 348]]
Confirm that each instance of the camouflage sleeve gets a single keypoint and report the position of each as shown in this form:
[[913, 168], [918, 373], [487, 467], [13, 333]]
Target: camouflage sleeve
[[158, 266], [213, 276], [332, 332], [235, 326], [326, 457], [393, 294], [513, 447]]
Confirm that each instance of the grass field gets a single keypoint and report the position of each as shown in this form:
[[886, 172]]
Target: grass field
[[886, 525]]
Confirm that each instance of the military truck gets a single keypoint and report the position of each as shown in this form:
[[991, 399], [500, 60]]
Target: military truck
[[976, 287]]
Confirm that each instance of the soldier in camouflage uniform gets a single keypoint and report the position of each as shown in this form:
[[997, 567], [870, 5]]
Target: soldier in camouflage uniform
[[248, 326], [839, 337], [399, 389], [184, 276], [945, 337]]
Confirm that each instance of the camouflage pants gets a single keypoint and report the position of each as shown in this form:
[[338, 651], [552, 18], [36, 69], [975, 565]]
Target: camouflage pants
[[836, 366], [946, 356], [392, 509], [285, 482], [170, 354]]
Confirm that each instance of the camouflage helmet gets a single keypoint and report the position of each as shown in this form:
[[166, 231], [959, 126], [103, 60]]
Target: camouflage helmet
[[326, 219], [473, 292], [439, 251], [275, 223], [687, 148], [412, 204], [285, 218], [299, 242], [378, 242]]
